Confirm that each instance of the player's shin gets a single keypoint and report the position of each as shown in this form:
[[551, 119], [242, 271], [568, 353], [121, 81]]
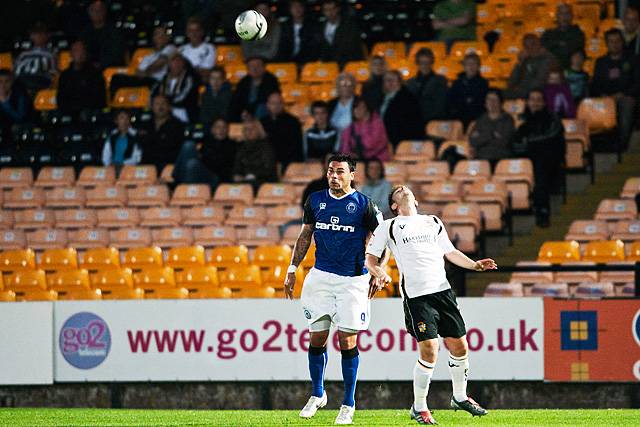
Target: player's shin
[[459, 369], [422, 373], [318, 358], [350, 362]]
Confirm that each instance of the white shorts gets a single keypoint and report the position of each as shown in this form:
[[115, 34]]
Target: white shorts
[[341, 300]]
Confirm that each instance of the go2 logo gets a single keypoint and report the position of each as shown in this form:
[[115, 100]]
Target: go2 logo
[[85, 340]]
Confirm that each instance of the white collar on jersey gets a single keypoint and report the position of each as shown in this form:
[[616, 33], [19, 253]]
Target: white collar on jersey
[[341, 197]]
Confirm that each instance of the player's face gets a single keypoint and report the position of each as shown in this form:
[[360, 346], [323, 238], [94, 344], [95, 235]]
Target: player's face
[[339, 175], [403, 196]]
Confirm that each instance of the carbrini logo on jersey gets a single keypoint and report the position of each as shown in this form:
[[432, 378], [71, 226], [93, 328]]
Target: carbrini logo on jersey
[[335, 226]]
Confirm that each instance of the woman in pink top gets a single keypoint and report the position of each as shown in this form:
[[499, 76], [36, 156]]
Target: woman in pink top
[[365, 138]]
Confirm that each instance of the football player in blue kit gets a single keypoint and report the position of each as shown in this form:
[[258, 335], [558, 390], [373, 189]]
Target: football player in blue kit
[[335, 290]]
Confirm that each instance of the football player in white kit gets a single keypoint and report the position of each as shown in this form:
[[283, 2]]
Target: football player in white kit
[[418, 244]]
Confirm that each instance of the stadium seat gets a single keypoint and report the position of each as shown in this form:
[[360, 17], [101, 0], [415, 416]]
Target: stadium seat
[[197, 276], [183, 257], [594, 290], [245, 216], [517, 174], [270, 194], [229, 54], [585, 231], [449, 68], [43, 239], [461, 48], [7, 296], [359, 69], [161, 217], [46, 100], [272, 256], [229, 256], [100, 259], [439, 49], [131, 97], [106, 197], [319, 72], [511, 289], [118, 217], [109, 72], [303, 173], [575, 277], [171, 237], [24, 198], [14, 260], [491, 197], [166, 176], [235, 72], [75, 218], [65, 197], [285, 72], [276, 275], [406, 67], [137, 57], [618, 277], [93, 176], [126, 238], [7, 218], [257, 235], [559, 252], [58, 260], [80, 294], [445, 129], [389, 50], [631, 188], [132, 175], [322, 92], [414, 151], [210, 236], [87, 238], [626, 230], [150, 278], [200, 216], [428, 172], [122, 293], [633, 251], [441, 192], [463, 222], [26, 279], [31, 219], [63, 281], [395, 172], [576, 134], [531, 277], [143, 257], [290, 234], [6, 60], [167, 293], [230, 195], [468, 171], [25, 294], [616, 209], [12, 239], [240, 276], [147, 196], [191, 195], [604, 251], [53, 176], [284, 214], [598, 113], [256, 292], [556, 290], [295, 93], [515, 107]]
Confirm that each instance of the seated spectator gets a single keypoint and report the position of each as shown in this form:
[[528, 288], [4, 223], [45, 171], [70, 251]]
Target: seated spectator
[[540, 137], [180, 86], [557, 95], [200, 54], [341, 40], [253, 90], [105, 43], [81, 86], [255, 160], [631, 32], [372, 90], [466, 96], [322, 138], [15, 105], [341, 107], [283, 131], [490, 136], [35, 68], [531, 69], [376, 187], [321, 183], [454, 20], [162, 139], [429, 88], [577, 78], [400, 110], [121, 146], [216, 99], [210, 162], [617, 74], [299, 40], [366, 137], [266, 47], [565, 38]]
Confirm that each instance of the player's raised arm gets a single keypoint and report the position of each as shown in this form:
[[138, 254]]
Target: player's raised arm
[[458, 258]]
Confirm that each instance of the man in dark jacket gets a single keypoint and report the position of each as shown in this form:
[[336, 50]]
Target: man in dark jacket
[[104, 41], [466, 96], [255, 160], [284, 131], [429, 88], [15, 105], [531, 70], [399, 110], [299, 41], [631, 31], [322, 138], [341, 40], [252, 91], [566, 38], [163, 138], [217, 97], [372, 89]]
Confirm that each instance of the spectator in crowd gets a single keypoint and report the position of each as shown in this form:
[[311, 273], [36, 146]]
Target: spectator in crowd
[[531, 69], [266, 47], [205, 10], [199, 53], [366, 137], [617, 74], [455, 20], [557, 95], [466, 96], [35, 68], [490, 136], [299, 40], [429, 88], [577, 78], [400, 111], [540, 137], [253, 90], [105, 43], [211, 162], [372, 90], [376, 187], [565, 38], [216, 99], [283, 130], [81, 86], [631, 31], [162, 139], [341, 41], [340, 108], [255, 160], [121, 146], [318, 184], [322, 138], [180, 86], [15, 105]]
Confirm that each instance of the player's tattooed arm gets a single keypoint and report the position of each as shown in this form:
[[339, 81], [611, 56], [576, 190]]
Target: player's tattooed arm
[[302, 244]]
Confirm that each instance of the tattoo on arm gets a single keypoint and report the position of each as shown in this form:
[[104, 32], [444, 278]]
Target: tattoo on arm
[[302, 244]]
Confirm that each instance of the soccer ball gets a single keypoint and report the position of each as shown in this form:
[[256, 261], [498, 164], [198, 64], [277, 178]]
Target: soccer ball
[[251, 25]]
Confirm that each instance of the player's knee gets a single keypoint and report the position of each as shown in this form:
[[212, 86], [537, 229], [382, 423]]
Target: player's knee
[[429, 350], [319, 339], [458, 347], [347, 340]]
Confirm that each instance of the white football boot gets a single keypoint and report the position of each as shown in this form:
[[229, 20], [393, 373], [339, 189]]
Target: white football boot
[[345, 416], [313, 405]]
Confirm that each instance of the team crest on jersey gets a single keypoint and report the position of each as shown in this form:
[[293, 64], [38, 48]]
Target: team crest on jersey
[[322, 206], [422, 327], [351, 207]]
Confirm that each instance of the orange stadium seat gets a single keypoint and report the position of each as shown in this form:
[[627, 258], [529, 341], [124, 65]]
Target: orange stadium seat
[[131, 97], [172, 236], [463, 225], [633, 251], [303, 173], [256, 292], [599, 113], [504, 290], [212, 235], [515, 107], [12, 239], [122, 293], [6, 61], [26, 279], [449, 68], [231, 194], [183, 257], [626, 230], [471, 170], [604, 251], [118, 217], [168, 293], [235, 72], [631, 188], [151, 279], [275, 276], [531, 277], [58, 260], [7, 296], [68, 280], [191, 195], [290, 234], [461, 146], [322, 92], [577, 140], [109, 72], [395, 172], [46, 100], [319, 72], [229, 256], [131, 175], [86, 238], [64, 60], [444, 192], [76, 218], [229, 54], [100, 259], [283, 214], [517, 174], [406, 67], [428, 172], [149, 195], [240, 276], [271, 194], [557, 290], [414, 151], [197, 276], [24, 198], [13, 260], [439, 49], [93, 176], [200, 216], [106, 197], [295, 92], [257, 235], [491, 197], [359, 69], [166, 176], [137, 57], [586, 230], [445, 129], [142, 257], [616, 209], [395, 50], [126, 238], [286, 72], [36, 295], [460, 48], [160, 217], [7, 218], [30, 219], [272, 256], [244, 216], [47, 239], [65, 197], [559, 252], [50, 176]]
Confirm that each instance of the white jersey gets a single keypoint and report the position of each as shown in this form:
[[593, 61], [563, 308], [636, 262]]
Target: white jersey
[[418, 244]]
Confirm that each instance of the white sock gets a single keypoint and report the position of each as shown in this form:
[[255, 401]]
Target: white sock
[[459, 368], [422, 373]]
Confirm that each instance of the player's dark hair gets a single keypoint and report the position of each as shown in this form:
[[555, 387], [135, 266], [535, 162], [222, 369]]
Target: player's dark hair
[[341, 157], [391, 202]]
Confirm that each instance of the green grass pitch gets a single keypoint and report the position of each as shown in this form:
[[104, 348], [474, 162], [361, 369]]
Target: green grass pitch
[[124, 417]]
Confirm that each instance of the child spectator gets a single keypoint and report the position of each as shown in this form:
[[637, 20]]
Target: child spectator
[[557, 95], [577, 78]]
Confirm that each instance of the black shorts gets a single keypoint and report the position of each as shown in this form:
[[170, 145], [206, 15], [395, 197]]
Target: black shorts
[[428, 316]]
